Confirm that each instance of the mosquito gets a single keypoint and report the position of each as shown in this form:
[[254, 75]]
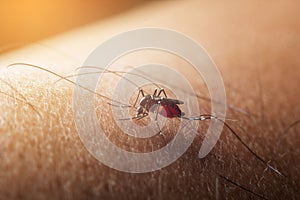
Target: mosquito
[[153, 103], [169, 108], [159, 104]]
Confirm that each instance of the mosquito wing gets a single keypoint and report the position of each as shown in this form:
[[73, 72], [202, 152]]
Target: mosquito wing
[[173, 101]]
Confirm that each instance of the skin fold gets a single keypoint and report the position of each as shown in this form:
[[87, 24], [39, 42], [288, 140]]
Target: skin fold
[[255, 46]]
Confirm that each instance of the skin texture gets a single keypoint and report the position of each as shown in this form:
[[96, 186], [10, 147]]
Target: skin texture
[[256, 50]]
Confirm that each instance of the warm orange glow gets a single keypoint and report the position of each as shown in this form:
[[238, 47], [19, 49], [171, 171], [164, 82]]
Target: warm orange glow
[[31, 20]]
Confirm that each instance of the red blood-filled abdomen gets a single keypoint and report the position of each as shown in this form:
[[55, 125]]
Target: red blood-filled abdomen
[[170, 110]]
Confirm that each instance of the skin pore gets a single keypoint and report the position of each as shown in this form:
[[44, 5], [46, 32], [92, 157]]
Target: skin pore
[[42, 156]]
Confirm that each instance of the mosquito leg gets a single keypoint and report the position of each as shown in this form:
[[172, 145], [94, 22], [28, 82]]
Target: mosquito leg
[[156, 114], [140, 117], [154, 93], [162, 90], [161, 133], [121, 106], [135, 117], [141, 92]]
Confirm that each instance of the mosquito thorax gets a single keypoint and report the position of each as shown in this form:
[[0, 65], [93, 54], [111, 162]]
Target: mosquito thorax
[[145, 100]]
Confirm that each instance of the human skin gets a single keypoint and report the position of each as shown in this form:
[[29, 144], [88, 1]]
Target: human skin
[[254, 45]]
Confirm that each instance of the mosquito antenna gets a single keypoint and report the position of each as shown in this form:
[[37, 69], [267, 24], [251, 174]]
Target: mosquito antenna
[[207, 117], [56, 74], [236, 184]]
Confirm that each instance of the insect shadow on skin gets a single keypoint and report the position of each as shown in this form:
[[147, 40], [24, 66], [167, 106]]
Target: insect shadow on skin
[[171, 108]]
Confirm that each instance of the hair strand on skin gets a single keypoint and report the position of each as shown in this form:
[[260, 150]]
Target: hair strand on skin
[[208, 117], [22, 99], [117, 73], [62, 77], [290, 126], [200, 118], [236, 184]]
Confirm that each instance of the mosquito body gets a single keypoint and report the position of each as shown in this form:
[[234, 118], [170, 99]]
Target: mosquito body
[[159, 105], [155, 103]]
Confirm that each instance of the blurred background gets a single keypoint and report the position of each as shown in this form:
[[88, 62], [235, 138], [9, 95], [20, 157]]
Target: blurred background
[[27, 21]]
